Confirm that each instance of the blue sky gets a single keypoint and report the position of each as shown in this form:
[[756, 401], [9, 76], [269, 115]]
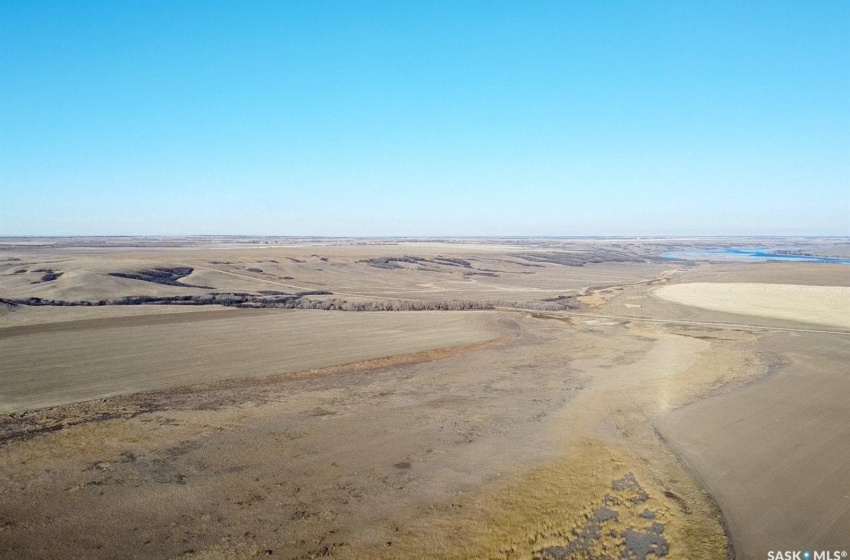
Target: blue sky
[[424, 118]]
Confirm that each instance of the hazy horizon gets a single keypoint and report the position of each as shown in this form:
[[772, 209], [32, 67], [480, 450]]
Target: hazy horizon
[[426, 237], [429, 120]]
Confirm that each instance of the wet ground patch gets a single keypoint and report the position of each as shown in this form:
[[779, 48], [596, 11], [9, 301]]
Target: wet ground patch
[[624, 526]]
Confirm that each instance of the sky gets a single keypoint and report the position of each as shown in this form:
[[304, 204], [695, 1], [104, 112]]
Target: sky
[[430, 118]]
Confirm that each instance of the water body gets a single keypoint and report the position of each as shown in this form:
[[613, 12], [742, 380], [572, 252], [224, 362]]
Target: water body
[[747, 255]]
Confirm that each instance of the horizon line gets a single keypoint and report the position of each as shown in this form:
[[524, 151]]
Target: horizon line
[[416, 237]]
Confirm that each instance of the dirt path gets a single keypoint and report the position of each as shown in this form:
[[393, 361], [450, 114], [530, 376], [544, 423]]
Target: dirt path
[[734, 326]]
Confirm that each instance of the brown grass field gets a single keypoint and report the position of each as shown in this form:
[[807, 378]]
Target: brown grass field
[[547, 399]]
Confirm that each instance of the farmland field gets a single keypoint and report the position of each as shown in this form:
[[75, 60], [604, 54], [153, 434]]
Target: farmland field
[[488, 398]]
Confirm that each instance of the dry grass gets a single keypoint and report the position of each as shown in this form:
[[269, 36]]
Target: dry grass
[[494, 271], [439, 435]]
